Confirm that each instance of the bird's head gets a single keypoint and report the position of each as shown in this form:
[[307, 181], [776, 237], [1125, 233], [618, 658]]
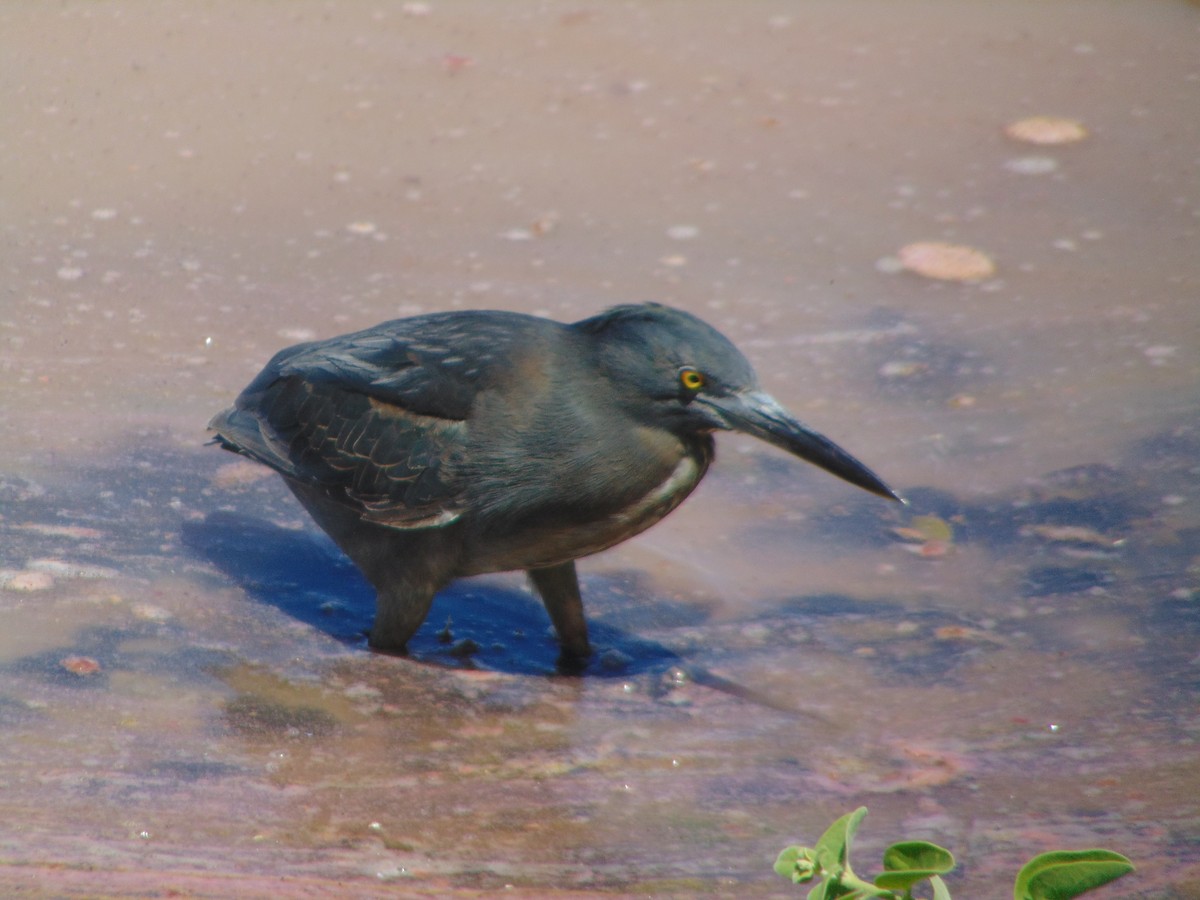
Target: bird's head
[[674, 371]]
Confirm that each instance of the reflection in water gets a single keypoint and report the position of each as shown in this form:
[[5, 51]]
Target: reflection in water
[[1007, 666]]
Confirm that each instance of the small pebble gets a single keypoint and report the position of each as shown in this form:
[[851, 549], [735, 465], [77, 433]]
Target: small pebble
[[953, 633], [544, 224], [80, 665], [149, 613], [946, 262], [1160, 352], [1032, 165], [464, 648], [757, 633], [902, 368], [28, 580], [1078, 534], [1046, 130], [62, 569]]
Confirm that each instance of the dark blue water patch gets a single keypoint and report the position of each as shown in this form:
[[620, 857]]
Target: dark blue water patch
[[920, 647], [15, 713], [926, 370], [15, 489], [834, 605], [1166, 554], [306, 578], [106, 646], [1173, 449], [1171, 625], [192, 770], [1096, 497], [926, 662], [1100, 498], [1002, 522], [629, 596], [510, 631], [853, 522], [1047, 581]]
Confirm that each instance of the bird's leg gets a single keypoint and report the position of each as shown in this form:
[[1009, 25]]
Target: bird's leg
[[399, 611], [406, 571], [558, 587], [406, 568]]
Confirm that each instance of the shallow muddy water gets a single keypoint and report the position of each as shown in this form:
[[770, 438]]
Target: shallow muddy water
[[1009, 665]]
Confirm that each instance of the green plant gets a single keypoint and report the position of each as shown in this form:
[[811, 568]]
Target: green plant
[[1060, 875]]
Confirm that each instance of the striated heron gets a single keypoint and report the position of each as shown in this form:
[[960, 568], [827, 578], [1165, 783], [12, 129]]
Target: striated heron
[[458, 443]]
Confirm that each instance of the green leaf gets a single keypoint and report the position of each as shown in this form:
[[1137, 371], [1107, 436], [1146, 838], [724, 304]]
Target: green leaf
[[912, 861], [832, 852], [940, 891], [912, 855], [1064, 874]]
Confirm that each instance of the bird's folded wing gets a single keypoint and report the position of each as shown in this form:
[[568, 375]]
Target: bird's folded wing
[[376, 427]]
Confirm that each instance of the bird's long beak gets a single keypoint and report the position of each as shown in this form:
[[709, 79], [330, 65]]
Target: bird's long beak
[[759, 414]]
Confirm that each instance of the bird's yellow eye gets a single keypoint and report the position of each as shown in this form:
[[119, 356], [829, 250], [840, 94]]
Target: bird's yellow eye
[[691, 379]]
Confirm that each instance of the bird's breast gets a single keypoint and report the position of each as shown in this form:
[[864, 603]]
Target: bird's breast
[[614, 506], [659, 501]]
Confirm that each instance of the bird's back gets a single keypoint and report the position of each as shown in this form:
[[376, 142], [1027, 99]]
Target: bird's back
[[379, 418]]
